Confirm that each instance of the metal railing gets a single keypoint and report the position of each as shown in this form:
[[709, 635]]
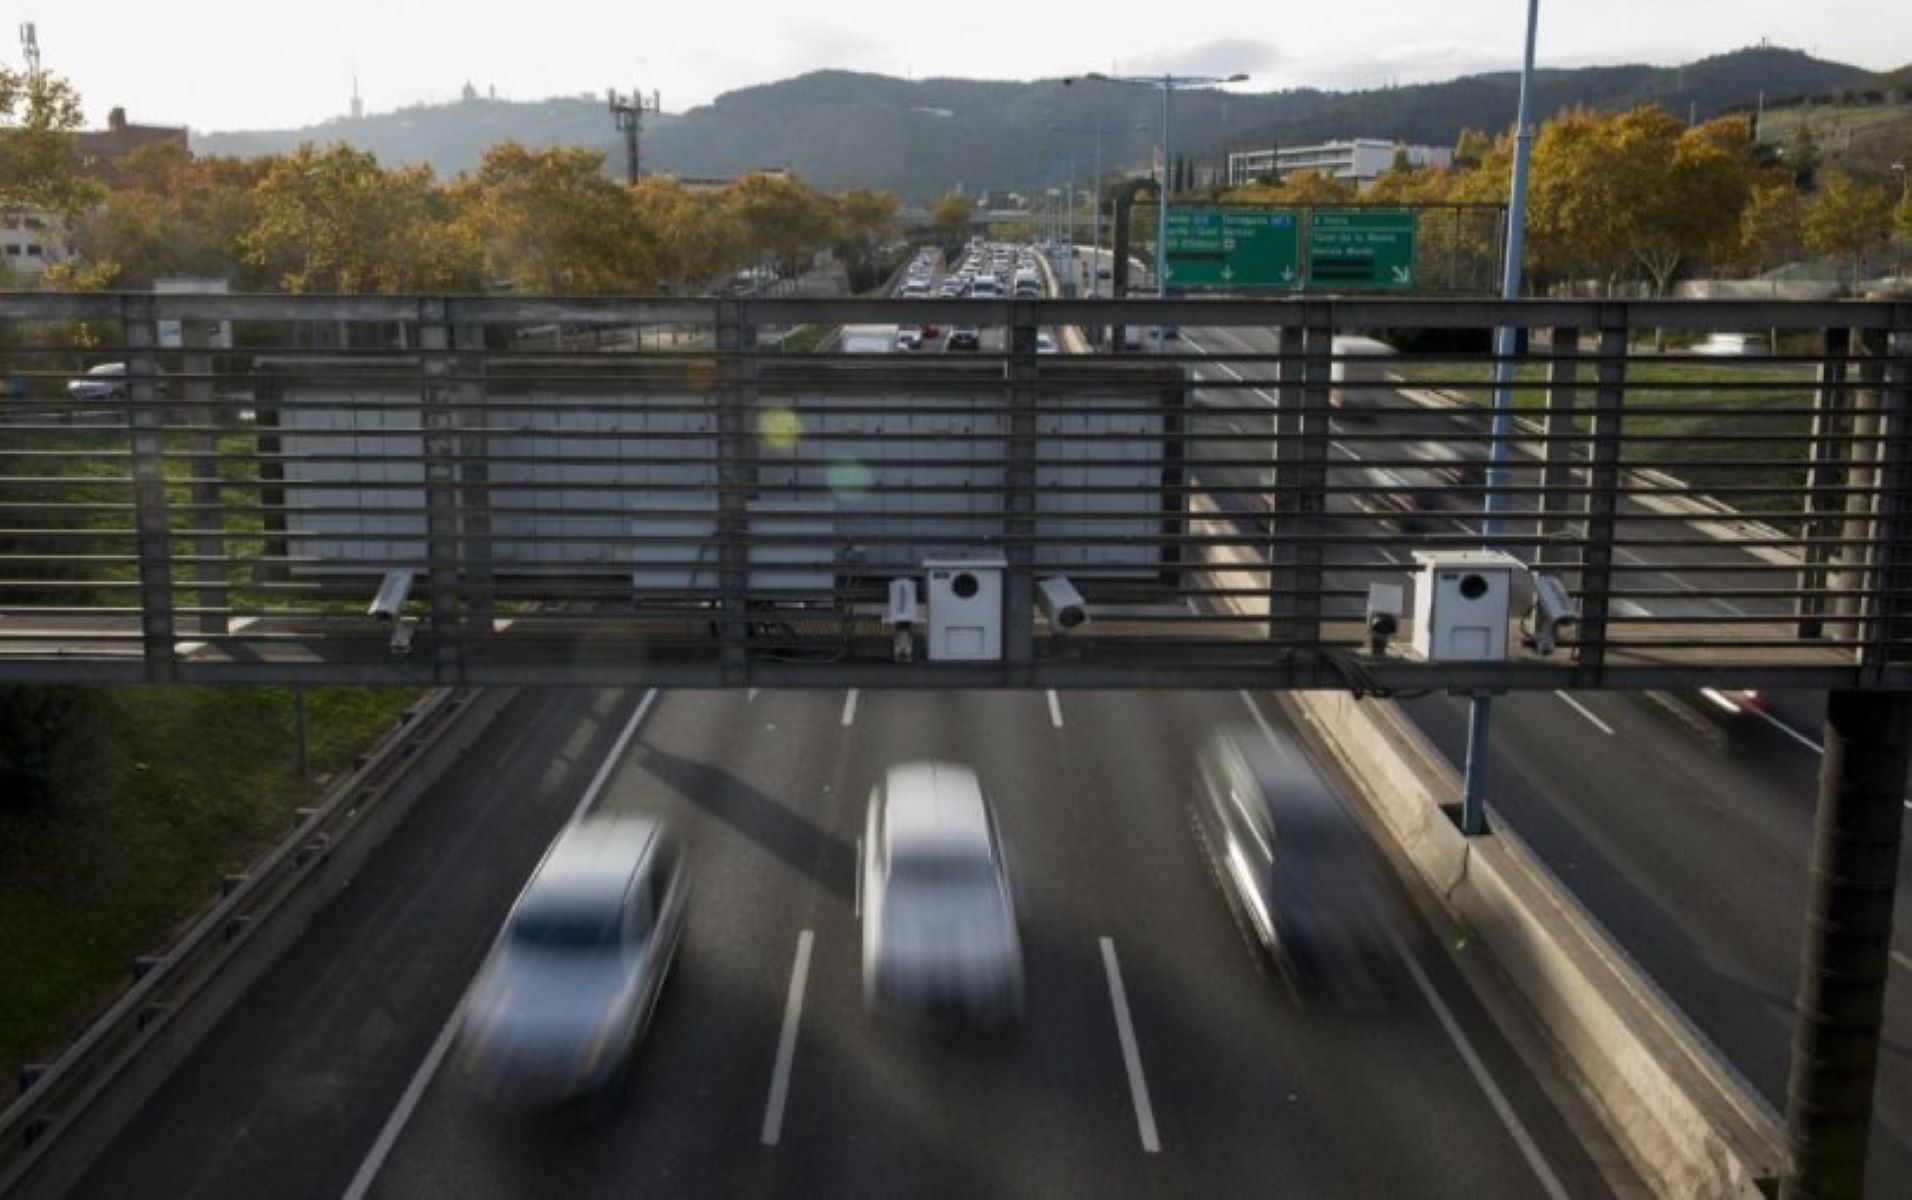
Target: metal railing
[[720, 512]]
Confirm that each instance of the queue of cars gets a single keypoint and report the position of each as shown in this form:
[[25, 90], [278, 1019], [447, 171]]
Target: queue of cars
[[556, 1015], [987, 271]]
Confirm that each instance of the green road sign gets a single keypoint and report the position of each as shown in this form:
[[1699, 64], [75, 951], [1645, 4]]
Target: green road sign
[[1233, 248], [1373, 249]]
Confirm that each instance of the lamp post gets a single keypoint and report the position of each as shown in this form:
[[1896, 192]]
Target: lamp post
[[1096, 131], [1168, 85], [1898, 261], [1474, 778]]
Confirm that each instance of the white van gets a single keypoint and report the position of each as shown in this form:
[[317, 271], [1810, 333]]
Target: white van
[[1359, 378], [867, 339]]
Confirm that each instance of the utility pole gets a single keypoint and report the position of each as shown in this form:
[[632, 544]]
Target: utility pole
[[628, 112], [30, 50]]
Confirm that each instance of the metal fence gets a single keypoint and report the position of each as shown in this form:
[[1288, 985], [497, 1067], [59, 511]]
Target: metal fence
[[623, 490]]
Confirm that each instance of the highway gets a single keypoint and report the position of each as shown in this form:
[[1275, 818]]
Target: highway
[[1206, 1078], [1686, 830]]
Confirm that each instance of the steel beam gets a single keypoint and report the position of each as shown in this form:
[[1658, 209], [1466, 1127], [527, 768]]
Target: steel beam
[[1844, 964]]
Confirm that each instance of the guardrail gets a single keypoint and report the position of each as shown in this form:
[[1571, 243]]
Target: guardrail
[[84, 1096]]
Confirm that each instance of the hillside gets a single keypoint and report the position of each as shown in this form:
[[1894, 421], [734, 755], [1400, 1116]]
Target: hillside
[[1861, 127], [921, 137]]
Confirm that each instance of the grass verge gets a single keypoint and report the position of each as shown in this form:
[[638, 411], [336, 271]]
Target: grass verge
[[1713, 426], [166, 789]]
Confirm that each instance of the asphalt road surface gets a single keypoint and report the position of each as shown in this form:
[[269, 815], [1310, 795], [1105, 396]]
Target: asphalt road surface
[[1156, 1057]]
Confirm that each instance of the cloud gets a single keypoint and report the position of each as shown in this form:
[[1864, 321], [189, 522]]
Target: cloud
[[810, 44], [1219, 56]]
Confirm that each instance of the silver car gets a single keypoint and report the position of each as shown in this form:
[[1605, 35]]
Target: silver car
[[940, 945], [107, 381], [557, 1011], [1292, 861]]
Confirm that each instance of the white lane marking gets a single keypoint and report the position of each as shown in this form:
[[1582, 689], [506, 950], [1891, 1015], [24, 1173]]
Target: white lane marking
[[1255, 711], [1055, 709], [1786, 729], [1901, 959], [1131, 1056], [1803, 740], [1387, 554], [787, 1042], [395, 1124], [751, 694], [849, 709], [617, 752], [435, 1057], [1548, 1182], [1576, 706], [1635, 560]]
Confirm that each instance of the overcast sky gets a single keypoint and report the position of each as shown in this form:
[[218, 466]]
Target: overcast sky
[[254, 64]]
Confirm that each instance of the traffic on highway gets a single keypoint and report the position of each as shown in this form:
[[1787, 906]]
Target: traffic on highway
[[1006, 944]]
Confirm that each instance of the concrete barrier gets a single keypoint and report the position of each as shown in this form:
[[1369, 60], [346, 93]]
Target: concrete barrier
[[1687, 1121]]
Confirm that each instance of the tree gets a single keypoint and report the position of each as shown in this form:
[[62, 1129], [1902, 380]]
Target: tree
[[552, 223], [781, 219], [171, 215], [1770, 224], [865, 222], [333, 220], [1846, 219], [695, 240], [39, 158], [949, 217]]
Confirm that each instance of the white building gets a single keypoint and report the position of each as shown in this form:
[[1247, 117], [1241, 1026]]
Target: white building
[[1359, 161], [30, 241]]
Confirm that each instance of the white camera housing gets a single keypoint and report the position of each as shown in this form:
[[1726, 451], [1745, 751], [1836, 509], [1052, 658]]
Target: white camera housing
[[1061, 603], [902, 610], [1462, 603]]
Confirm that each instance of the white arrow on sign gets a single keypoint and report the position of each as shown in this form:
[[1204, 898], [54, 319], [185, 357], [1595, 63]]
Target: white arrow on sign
[[1228, 273], [1287, 274], [1403, 275]]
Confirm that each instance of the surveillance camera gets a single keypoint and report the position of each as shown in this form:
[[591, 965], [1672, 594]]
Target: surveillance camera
[[392, 594], [1553, 613], [902, 610], [1384, 615], [1061, 603]]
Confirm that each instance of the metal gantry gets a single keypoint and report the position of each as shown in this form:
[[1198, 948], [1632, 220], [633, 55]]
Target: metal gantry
[[626, 491]]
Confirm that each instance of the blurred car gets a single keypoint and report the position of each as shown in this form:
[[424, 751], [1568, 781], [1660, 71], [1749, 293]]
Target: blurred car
[[940, 944], [1732, 345], [1291, 860], [964, 337], [556, 1012], [107, 381], [909, 337], [1046, 342]]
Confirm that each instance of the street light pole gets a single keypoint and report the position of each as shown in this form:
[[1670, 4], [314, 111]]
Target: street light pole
[[1168, 83], [1474, 779], [1097, 131]]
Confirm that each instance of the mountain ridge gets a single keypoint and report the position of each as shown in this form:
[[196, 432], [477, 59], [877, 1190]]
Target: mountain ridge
[[922, 137]]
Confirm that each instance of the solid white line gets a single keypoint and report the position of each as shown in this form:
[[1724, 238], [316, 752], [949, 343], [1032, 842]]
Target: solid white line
[[1576, 706], [1902, 960], [1502, 1108], [1255, 710], [395, 1124], [1784, 728], [1055, 709], [435, 1057], [1131, 1056], [849, 709], [787, 1042], [617, 752]]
